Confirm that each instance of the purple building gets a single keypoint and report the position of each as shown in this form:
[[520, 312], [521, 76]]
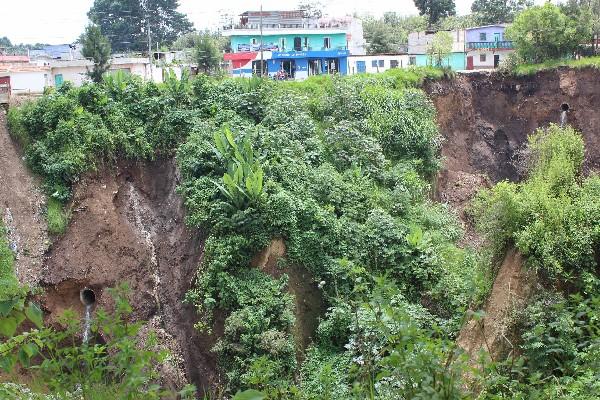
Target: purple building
[[486, 46]]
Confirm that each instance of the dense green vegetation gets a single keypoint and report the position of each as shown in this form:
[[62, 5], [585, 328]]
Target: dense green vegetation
[[339, 168], [553, 218]]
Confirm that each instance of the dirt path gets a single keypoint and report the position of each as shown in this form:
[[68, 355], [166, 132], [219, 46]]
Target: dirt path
[[21, 205]]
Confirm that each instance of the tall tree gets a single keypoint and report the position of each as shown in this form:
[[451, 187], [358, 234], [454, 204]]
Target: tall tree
[[206, 53], [585, 12], [435, 9], [498, 11], [126, 22], [544, 32], [5, 42], [95, 46], [440, 48]]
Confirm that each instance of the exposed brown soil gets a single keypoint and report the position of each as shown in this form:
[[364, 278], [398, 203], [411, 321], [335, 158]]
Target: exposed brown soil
[[128, 226], [309, 304], [512, 287], [22, 207], [486, 118]]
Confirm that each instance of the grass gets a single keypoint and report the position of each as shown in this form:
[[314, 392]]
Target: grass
[[530, 69], [57, 217], [9, 284]]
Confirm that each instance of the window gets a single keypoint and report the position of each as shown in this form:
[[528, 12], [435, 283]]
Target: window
[[412, 60], [374, 63], [297, 43], [482, 58], [282, 44], [306, 43], [394, 63], [497, 37], [253, 40], [327, 43], [482, 37], [381, 63]]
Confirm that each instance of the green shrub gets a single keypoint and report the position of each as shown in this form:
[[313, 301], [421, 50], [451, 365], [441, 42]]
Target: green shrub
[[9, 285], [57, 216]]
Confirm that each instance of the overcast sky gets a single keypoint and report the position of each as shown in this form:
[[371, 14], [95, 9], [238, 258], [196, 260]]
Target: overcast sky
[[61, 21]]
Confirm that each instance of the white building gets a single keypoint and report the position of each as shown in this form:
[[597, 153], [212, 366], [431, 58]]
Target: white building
[[376, 63], [75, 70], [26, 78]]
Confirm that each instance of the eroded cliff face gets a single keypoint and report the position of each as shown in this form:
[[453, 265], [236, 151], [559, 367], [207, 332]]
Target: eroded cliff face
[[128, 225], [485, 120]]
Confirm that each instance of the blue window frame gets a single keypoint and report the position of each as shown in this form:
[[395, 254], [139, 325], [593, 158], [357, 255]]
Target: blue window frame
[[374, 63]]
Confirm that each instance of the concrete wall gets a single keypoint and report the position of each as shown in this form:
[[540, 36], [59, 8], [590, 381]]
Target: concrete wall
[[418, 42], [315, 41], [489, 57], [373, 64], [29, 82], [473, 35], [456, 61], [75, 75]]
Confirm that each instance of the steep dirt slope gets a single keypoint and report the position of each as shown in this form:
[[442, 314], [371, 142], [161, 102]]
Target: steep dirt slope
[[128, 226], [485, 120], [510, 291], [21, 208]]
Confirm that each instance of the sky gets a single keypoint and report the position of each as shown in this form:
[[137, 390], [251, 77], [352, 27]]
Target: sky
[[62, 21]]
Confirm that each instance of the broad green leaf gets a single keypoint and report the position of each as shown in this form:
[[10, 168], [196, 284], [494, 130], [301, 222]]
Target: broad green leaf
[[35, 315], [8, 326], [249, 394], [6, 306]]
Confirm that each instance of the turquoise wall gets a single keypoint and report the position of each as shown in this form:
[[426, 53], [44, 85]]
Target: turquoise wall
[[315, 41], [456, 61]]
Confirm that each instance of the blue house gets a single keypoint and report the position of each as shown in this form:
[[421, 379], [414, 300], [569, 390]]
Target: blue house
[[291, 45]]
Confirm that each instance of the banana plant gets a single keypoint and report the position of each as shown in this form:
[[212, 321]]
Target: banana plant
[[242, 184]]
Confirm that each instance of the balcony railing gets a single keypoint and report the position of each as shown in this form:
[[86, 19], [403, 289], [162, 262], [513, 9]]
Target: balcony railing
[[499, 44]]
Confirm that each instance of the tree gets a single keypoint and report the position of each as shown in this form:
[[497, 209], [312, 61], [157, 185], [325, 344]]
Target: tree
[[312, 9], [440, 48], [125, 22], [206, 53], [544, 32], [585, 12], [498, 11], [95, 46], [5, 42], [435, 9], [386, 35], [379, 37]]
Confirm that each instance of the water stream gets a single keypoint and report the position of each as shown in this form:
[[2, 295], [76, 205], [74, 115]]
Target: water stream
[[87, 323], [563, 118]]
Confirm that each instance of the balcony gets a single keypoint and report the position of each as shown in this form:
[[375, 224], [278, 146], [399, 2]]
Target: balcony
[[500, 44]]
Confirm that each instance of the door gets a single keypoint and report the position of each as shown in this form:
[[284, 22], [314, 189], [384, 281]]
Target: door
[[361, 67], [298, 43], [496, 60], [469, 62], [497, 37], [58, 80], [4, 90]]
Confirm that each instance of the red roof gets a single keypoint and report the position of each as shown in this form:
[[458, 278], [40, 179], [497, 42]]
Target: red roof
[[13, 59]]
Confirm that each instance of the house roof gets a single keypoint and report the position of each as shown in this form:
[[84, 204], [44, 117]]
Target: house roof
[[13, 59], [486, 26], [20, 67]]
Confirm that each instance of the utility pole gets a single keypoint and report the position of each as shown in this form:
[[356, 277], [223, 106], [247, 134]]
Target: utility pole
[[262, 72], [149, 38]]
